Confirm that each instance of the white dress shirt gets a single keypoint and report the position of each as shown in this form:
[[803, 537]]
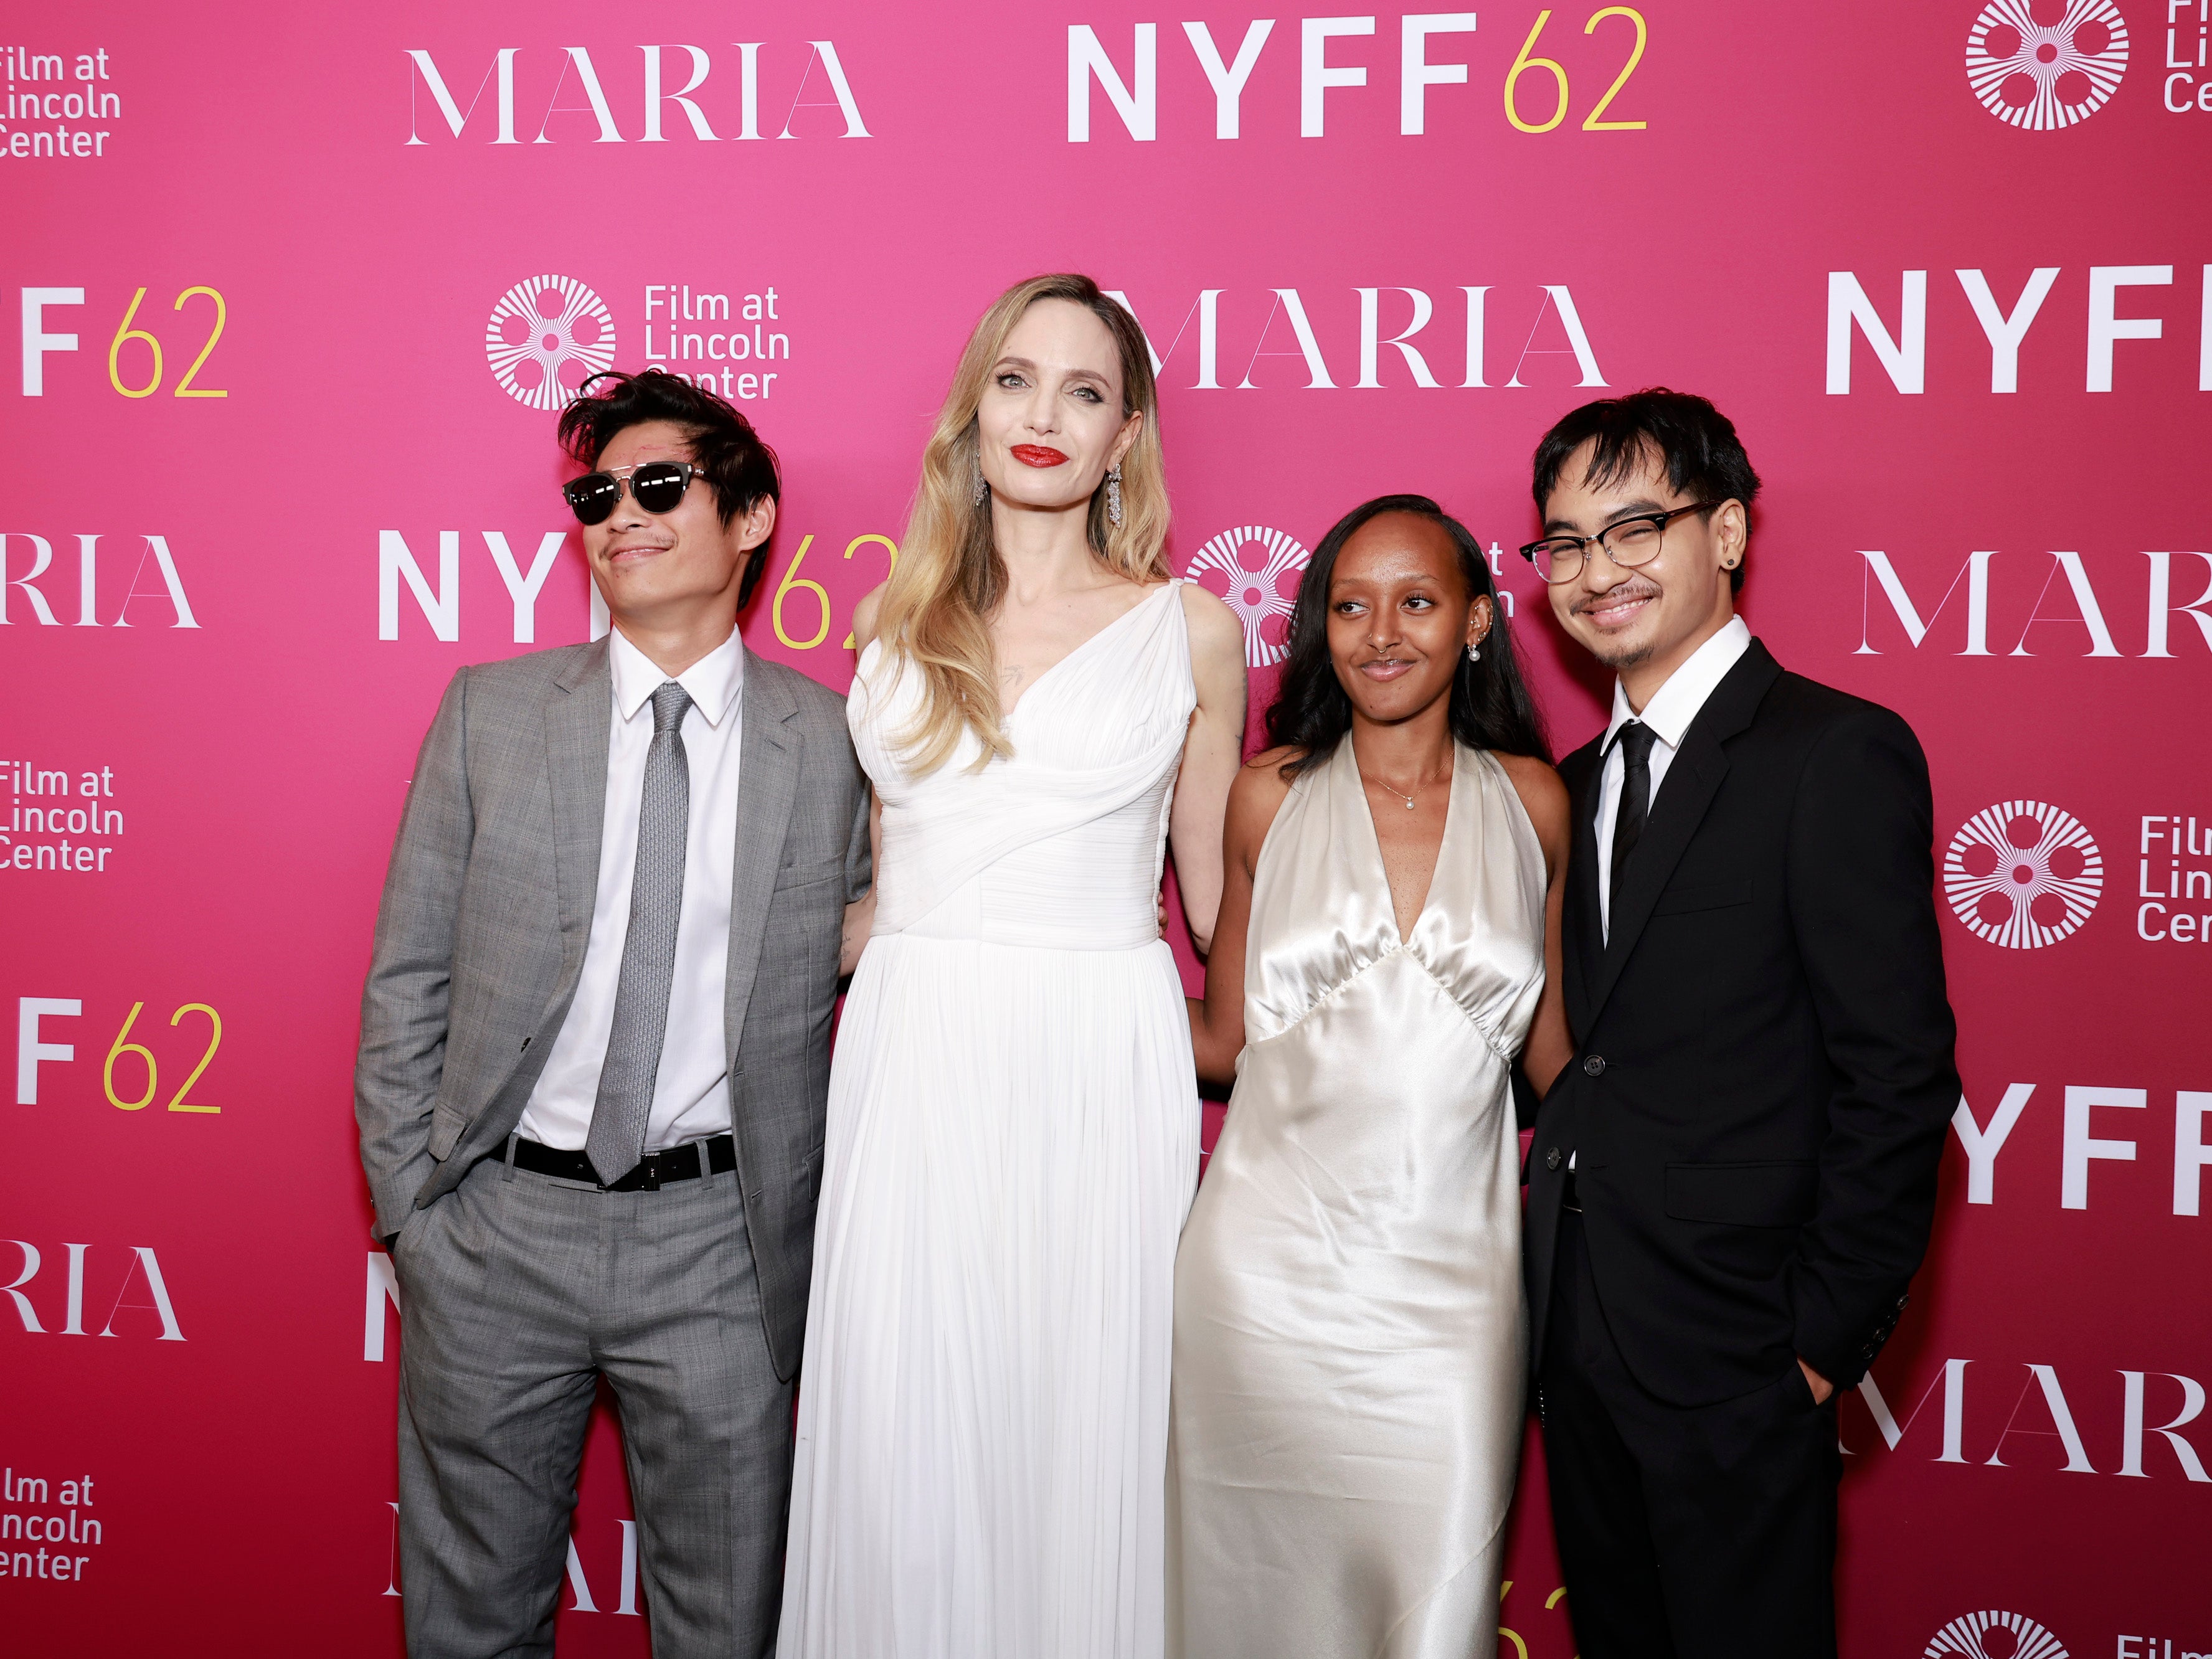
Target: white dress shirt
[[1670, 711], [691, 1093]]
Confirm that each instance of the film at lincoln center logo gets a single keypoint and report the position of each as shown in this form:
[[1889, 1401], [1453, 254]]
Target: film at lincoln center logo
[[1255, 571], [2042, 64], [1995, 1636], [546, 338], [2022, 874]]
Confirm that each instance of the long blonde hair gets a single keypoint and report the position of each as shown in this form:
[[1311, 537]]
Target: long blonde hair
[[949, 576]]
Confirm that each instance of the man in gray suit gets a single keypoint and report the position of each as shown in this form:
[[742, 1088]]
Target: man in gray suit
[[595, 1055]]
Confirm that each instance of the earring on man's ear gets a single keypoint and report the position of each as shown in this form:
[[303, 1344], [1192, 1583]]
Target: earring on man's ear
[[1114, 494]]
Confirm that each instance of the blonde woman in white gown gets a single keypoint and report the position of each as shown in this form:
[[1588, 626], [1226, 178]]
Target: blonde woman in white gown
[[1350, 1342], [1012, 1139]]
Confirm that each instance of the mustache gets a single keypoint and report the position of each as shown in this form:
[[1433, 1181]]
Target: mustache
[[1618, 593]]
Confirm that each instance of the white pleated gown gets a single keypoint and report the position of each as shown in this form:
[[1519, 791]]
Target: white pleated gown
[[1013, 1146]]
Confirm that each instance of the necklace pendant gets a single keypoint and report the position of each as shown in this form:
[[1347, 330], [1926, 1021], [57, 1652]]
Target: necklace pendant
[[1409, 806]]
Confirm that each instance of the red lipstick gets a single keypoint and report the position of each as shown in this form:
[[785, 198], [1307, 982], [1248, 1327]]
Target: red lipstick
[[1037, 455]]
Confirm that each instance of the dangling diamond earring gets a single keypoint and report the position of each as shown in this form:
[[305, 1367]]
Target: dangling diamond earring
[[1473, 652], [982, 491], [1114, 494]]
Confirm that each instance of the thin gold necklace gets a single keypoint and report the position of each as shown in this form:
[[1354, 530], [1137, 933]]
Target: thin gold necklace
[[1409, 799]]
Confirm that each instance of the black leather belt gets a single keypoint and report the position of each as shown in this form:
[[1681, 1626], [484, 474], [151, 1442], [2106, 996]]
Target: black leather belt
[[1569, 1198], [655, 1170]]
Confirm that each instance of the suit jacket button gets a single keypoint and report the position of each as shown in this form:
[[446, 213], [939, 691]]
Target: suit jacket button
[[1552, 1159], [1595, 1066]]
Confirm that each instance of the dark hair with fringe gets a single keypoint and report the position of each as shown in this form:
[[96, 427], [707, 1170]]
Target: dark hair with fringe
[[1491, 705], [1694, 441], [737, 465]]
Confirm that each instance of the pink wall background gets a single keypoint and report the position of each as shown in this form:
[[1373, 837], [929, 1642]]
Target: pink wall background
[[254, 730]]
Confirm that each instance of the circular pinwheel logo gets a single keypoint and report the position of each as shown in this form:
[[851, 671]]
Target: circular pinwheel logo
[[1255, 571], [546, 338], [2022, 875], [1995, 1636], [2042, 64]]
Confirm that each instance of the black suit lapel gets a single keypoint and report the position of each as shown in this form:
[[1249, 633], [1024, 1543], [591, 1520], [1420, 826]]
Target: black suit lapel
[[1692, 781], [1584, 943]]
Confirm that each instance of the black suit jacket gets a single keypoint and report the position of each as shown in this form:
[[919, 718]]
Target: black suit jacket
[[1763, 1067]]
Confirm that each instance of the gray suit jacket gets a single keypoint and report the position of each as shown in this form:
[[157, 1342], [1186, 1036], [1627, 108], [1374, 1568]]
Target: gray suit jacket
[[480, 938]]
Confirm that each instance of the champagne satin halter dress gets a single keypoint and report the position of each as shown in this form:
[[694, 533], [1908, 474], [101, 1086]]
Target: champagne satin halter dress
[[1350, 1331]]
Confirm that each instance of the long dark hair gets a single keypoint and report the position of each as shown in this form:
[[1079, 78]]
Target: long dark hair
[[1491, 707]]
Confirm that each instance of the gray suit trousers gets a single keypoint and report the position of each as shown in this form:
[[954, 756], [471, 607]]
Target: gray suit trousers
[[518, 1292]]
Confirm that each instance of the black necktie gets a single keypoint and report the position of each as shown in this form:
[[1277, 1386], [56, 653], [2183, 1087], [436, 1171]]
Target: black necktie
[[1636, 739]]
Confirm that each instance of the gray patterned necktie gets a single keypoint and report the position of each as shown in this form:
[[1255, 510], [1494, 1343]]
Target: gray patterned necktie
[[617, 1141]]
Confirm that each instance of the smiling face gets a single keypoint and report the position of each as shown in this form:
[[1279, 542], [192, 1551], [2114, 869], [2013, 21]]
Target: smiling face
[[1399, 616], [660, 571], [1643, 623], [1050, 420]]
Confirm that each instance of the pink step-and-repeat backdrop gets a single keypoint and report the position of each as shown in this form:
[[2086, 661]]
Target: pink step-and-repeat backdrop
[[298, 290]]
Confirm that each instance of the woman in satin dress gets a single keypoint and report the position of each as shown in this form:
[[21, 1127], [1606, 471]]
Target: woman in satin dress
[[1350, 1335]]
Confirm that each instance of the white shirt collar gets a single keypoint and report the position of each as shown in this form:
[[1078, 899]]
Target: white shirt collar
[[713, 681], [1676, 703]]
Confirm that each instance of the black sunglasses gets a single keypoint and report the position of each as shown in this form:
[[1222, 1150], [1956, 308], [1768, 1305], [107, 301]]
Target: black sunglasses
[[655, 486]]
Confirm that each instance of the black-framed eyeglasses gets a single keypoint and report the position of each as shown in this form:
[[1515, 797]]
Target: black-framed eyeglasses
[[1628, 542], [655, 486]]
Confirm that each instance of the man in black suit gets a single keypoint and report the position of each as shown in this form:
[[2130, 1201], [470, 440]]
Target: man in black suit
[[1731, 1184]]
